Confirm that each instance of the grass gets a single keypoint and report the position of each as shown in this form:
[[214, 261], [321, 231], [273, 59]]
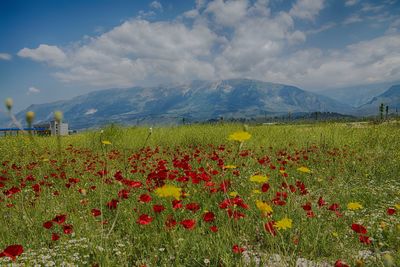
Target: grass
[[348, 164]]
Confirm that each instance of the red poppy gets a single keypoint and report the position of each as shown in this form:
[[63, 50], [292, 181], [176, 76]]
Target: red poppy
[[170, 222], [235, 214], [158, 208], [307, 206], [48, 224], [340, 263], [145, 198], [193, 207], [60, 219], [123, 194], [112, 205], [358, 228], [96, 212], [12, 251], [55, 237], [321, 202], [214, 228], [265, 187], [177, 204], [391, 211], [269, 227], [208, 216], [237, 250], [144, 219], [188, 224], [365, 239], [67, 229]]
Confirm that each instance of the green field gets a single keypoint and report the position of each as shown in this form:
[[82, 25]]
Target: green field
[[234, 197]]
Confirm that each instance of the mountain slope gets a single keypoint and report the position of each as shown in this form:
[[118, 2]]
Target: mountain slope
[[390, 97], [199, 100]]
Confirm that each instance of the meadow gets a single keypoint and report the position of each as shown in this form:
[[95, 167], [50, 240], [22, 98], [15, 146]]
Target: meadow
[[325, 194]]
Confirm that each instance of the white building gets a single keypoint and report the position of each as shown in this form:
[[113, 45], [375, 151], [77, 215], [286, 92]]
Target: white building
[[53, 127]]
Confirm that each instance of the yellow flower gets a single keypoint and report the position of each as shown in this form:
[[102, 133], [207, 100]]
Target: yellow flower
[[240, 136], [383, 225], [304, 169], [256, 191], [106, 142], [354, 206], [169, 191], [263, 207], [397, 206], [284, 224], [259, 179], [230, 167], [335, 234], [233, 194]]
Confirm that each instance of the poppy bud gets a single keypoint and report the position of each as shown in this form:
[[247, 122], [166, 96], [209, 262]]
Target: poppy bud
[[58, 116], [30, 116], [9, 103]]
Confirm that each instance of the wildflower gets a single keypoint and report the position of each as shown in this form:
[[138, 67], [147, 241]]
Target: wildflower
[[354, 206], [214, 229], [259, 179], [144, 219], [263, 207], [12, 252], [169, 191], [237, 250], [269, 227], [67, 229], [112, 205], [365, 239], [229, 167], [284, 224], [96, 212], [54, 237], [358, 228], [208, 216], [335, 234], [340, 263], [193, 207], [265, 187], [188, 224], [239, 136], [304, 169], [397, 206], [233, 194], [158, 208], [48, 224], [60, 219], [106, 142], [256, 191], [145, 198], [391, 211]]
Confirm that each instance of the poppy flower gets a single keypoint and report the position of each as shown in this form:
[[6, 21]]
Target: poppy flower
[[55, 237], [96, 212], [265, 187], [269, 227], [193, 207], [358, 228], [391, 211], [60, 219], [177, 204], [321, 202], [158, 208], [123, 194], [208, 216], [170, 222], [365, 239], [67, 229], [237, 250], [145, 198], [48, 224], [214, 229], [340, 263], [12, 251], [112, 205], [188, 224], [144, 219]]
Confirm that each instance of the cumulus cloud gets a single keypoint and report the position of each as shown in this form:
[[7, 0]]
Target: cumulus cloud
[[5, 56], [156, 5], [33, 90], [221, 39], [351, 2], [45, 53], [306, 9]]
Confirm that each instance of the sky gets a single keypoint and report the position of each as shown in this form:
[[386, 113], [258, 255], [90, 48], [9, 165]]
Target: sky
[[53, 50]]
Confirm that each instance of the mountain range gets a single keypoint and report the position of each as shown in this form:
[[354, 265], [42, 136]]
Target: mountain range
[[198, 101]]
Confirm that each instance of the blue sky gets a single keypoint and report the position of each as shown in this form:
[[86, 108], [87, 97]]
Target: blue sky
[[52, 50]]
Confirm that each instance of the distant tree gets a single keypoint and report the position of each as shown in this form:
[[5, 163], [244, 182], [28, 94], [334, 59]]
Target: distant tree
[[381, 109], [387, 111]]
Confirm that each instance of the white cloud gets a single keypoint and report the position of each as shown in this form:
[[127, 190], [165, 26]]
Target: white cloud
[[91, 111], [4, 56], [156, 5], [220, 40], [45, 53], [33, 90], [306, 9], [351, 2]]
